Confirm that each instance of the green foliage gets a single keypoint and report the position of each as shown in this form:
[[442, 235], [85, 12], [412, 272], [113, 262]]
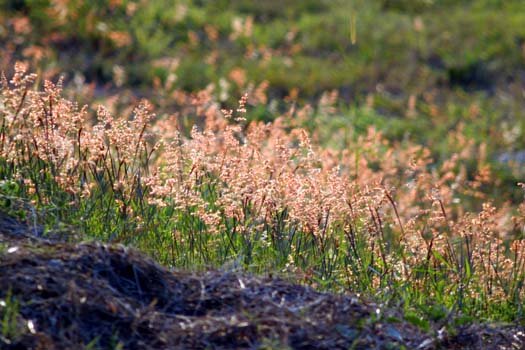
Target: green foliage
[[9, 318], [417, 321]]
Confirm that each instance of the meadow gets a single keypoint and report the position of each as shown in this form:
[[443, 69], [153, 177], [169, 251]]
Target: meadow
[[372, 147]]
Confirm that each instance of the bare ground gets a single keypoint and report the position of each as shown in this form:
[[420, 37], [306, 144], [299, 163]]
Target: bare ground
[[91, 295]]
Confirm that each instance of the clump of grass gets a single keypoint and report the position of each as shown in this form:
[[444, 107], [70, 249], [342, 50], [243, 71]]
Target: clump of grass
[[378, 218], [9, 318]]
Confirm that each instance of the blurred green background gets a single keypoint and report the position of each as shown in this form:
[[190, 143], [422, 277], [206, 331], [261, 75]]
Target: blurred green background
[[415, 69]]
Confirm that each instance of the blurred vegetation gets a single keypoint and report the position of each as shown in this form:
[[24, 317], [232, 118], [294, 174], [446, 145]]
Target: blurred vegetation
[[408, 46], [415, 70], [412, 46]]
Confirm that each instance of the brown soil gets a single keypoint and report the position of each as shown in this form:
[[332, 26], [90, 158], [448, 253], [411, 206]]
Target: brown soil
[[114, 297]]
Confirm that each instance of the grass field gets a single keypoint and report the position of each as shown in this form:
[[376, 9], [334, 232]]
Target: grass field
[[375, 147]]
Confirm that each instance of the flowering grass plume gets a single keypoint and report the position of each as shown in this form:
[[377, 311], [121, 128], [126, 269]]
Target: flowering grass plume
[[376, 217]]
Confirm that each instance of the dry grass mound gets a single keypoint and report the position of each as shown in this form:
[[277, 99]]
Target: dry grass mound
[[92, 295]]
